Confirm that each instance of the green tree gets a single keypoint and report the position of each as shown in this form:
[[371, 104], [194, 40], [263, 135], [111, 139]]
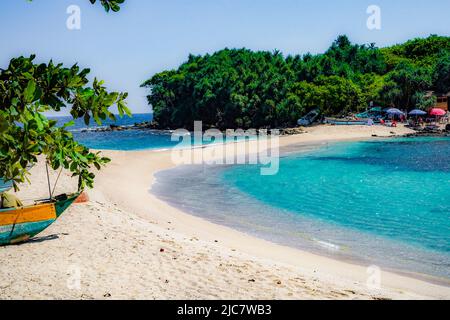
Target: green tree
[[371, 86], [339, 96], [228, 89], [27, 90], [423, 101], [442, 74], [421, 52], [241, 88], [404, 82]]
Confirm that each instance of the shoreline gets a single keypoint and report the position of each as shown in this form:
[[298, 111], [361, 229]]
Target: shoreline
[[206, 260], [324, 251], [279, 253]]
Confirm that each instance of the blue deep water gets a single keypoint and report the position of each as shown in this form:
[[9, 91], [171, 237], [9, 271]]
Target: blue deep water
[[120, 140], [127, 140]]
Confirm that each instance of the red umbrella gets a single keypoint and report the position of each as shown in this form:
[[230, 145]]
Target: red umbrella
[[437, 112]]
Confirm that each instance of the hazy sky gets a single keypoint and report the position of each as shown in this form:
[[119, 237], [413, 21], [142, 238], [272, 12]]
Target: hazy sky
[[148, 36]]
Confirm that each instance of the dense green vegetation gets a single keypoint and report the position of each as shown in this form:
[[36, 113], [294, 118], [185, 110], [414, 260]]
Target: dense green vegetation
[[241, 88], [27, 91]]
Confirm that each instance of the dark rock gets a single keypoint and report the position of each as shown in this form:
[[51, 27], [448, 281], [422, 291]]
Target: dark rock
[[291, 131]]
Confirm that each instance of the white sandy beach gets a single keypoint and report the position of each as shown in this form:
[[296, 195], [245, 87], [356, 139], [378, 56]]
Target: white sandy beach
[[127, 244]]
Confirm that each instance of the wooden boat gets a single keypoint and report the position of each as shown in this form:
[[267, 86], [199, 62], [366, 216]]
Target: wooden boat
[[20, 224]]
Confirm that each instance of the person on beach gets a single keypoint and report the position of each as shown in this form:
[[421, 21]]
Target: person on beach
[[9, 201]]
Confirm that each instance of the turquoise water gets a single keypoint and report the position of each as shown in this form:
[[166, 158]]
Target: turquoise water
[[384, 202], [398, 189]]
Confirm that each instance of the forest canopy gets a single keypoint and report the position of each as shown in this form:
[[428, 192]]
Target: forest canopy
[[240, 88]]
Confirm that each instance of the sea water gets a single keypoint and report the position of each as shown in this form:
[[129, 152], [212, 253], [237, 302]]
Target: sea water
[[119, 140], [130, 139], [383, 202]]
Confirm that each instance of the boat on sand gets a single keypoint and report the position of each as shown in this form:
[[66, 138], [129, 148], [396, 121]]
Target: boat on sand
[[20, 224]]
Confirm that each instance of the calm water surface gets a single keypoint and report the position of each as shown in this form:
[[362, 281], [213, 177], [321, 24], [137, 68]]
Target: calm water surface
[[385, 202]]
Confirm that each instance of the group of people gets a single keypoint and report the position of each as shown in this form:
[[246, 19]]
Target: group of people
[[393, 123], [416, 121]]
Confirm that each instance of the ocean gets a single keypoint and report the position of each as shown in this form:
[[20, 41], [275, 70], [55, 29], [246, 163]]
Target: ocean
[[382, 202], [119, 140], [127, 140]]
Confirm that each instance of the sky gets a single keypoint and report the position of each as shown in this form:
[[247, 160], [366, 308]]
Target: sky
[[149, 36]]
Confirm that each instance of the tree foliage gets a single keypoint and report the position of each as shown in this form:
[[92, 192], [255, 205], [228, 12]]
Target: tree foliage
[[109, 5], [113, 5], [27, 90], [442, 73], [405, 81], [241, 88]]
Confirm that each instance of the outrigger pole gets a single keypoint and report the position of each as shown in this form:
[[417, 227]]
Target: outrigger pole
[[48, 181]]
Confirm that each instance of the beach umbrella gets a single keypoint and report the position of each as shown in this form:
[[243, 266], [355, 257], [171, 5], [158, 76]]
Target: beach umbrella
[[437, 112], [394, 112], [417, 112]]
